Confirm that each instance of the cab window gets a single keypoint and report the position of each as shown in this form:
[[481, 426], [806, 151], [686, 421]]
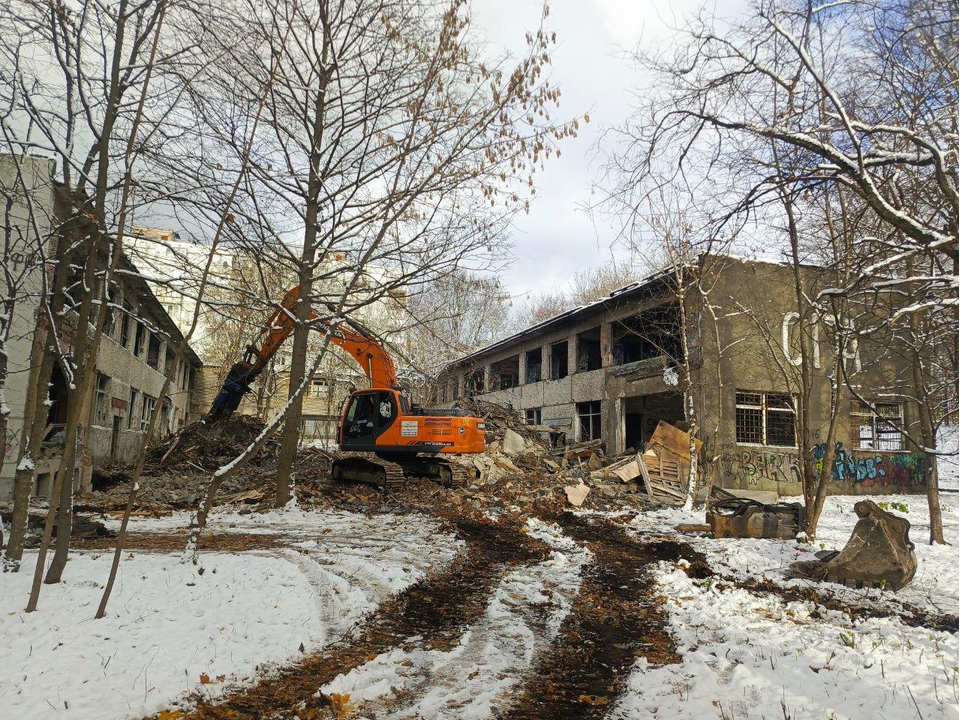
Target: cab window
[[361, 408]]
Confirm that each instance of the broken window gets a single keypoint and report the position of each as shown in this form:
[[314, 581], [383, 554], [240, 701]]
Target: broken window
[[765, 419], [100, 407], [588, 414], [125, 325], [153, 352], [139, 338], [533, 416], [109, 321], [588, 351], [558, 360], [653, 333], [535, 365], [146, 410], [506, 373], [475, 383], [134, 394], [878, 426]]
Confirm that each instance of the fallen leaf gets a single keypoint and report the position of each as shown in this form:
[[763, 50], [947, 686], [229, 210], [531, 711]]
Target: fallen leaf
[[205, 679]]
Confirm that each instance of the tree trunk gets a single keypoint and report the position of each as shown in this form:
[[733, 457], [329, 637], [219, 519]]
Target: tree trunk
[[301, 334], [928, 437]]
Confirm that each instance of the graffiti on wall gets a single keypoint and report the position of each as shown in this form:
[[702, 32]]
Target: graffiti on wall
[[868, 470], [754, 467]]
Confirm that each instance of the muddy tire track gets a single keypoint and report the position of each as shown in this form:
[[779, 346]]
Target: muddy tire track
[[432, 613], [616, 618]]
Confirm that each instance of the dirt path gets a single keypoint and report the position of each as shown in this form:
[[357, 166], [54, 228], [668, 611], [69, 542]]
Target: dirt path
[[616, 618], [432, 613]]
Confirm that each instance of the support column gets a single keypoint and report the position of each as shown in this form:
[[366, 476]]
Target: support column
[[487, 378], [572, 366], [546, 363], [522, 368], [606, 345]]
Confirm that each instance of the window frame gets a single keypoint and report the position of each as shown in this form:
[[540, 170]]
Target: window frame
[[100, 396], [134, 396], [860, 412], [595, 419], [147, 403], [533, 416], [764, 408]]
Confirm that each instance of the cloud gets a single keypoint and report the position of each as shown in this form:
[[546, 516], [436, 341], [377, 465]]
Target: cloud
[[558, 238]]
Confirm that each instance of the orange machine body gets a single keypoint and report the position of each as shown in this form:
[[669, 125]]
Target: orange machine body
[[382, 421]]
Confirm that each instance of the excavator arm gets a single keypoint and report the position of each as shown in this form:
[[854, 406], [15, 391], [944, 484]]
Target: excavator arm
[[356, 340]]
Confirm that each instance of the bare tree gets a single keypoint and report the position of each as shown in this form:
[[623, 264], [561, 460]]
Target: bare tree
[[801, 102], [390, 142]]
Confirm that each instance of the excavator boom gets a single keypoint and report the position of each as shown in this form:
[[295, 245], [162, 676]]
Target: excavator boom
[[369, 354]]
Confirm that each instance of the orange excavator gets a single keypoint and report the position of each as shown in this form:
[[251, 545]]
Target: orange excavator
[[384, 437]]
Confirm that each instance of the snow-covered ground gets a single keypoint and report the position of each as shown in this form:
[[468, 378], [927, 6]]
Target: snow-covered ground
[[522, 618], [167, 625], [748, 656], [171, 631]]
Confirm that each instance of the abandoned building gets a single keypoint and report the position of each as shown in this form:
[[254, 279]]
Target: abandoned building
[[138, 345], [611, 370]]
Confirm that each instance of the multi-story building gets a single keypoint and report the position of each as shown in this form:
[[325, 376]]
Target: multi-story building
[[613, 369], [135, 352]]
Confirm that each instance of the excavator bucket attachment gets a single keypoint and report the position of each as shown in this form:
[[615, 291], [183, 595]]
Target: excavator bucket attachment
[[735, 517], [878, 554]]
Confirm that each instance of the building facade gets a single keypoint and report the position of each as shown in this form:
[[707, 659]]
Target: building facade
[[137, 347], [613, 369]]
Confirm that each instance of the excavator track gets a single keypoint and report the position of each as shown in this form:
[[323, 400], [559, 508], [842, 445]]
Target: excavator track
[[389, 475], [368, 468]]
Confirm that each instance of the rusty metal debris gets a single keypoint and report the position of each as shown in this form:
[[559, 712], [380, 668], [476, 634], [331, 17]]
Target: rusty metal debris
[[734, 517], [878, 554]]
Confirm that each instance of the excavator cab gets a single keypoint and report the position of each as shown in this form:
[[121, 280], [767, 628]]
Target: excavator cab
[[368, 415]]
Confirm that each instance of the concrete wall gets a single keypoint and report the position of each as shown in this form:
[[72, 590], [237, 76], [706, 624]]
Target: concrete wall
[[748, 363], [22, 258]]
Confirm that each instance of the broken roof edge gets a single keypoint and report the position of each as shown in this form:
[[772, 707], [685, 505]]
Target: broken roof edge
[[619, 294]]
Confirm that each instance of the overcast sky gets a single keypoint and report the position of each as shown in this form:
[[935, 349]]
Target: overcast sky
[[558, 238]]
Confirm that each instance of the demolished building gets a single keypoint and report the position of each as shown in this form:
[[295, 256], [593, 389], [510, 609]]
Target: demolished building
[[138, 346], [612, 370]]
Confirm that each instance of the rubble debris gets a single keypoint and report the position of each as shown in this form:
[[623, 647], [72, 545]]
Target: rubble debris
[[513, 442], [576, 494], [735, 517], [81, 526], [673, 439], [207, 446], [878, 554]]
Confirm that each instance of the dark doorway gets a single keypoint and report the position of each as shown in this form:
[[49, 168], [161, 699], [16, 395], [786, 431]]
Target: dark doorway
[[115, 439], [633, 429]]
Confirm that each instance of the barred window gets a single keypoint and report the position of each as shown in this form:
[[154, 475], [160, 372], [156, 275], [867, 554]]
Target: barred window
[[878, 427], [765, 419]]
